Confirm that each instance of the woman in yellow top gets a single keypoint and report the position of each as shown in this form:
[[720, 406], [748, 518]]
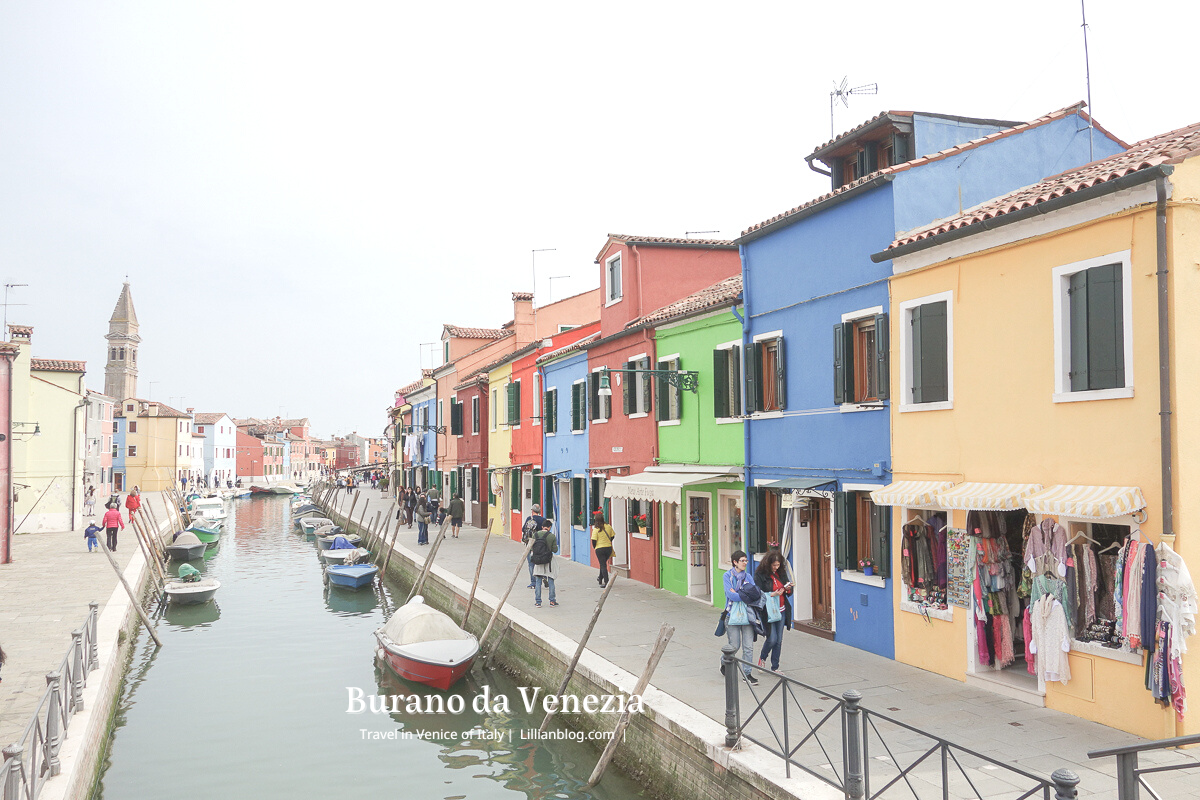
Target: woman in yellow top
[[602, 540]]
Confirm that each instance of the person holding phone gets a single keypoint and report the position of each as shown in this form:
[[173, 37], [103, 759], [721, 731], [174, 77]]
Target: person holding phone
[[776, 610]]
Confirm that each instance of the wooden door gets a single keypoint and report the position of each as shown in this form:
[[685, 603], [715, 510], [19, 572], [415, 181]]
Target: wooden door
[[819, 561]]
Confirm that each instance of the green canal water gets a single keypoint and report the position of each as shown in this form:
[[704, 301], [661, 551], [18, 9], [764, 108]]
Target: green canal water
[[248, 697]]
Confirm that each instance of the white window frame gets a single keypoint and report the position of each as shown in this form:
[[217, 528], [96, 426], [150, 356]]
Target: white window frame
[[741, 380], [1061, 282], [672, 552], [605, 403], [475, 421], [512, 427], [495, 394], [666, 423], [638, 388], [535, 397], [608, 268], [584, 428], [855, 316], [762, 337], [906, 354]]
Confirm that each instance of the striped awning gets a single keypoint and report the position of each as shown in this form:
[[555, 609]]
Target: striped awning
[[909, 493], [1092, 502], [987, 496]]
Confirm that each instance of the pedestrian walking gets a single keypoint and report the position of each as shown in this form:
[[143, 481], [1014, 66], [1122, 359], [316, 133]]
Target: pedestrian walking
[[89, 501], [111, 523], [740, 595], [457, 508], [533, 523], [91, 533], [133, 502], [602, 542], [423, 511], [410, 506], [3, 658], [545, 569], [776, 611]]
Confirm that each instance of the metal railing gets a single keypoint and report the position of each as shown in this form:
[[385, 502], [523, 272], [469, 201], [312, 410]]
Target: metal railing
[[863, 753], [21, 779], [1129, 775]]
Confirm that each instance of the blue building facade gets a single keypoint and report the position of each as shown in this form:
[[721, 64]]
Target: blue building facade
[[424, 418], [565, 455], [120, 450], [816, 343]]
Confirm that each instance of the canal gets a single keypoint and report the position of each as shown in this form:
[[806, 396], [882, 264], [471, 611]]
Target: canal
[[248, 697]]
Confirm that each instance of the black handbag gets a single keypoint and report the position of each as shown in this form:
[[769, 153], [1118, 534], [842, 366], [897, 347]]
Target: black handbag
[[720, 631]]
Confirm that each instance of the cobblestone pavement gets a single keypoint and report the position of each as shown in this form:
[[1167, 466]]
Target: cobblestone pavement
[[44, 595], [1038, 740]]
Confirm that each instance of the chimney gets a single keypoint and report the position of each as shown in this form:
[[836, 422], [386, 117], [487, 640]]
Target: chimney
[[20, 334], [152, 410], [523, 317], [190, 410]]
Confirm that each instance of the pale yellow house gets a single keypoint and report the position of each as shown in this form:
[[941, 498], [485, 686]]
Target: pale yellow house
[[500, 481], [49, 419], [1027, 344], [158, 445]]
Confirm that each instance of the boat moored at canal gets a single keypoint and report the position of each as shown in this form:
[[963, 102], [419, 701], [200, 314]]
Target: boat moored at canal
[[189, 593], [424, 645], [186, 547], [351, 576]]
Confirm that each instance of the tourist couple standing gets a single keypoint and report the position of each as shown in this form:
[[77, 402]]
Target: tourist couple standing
[[762, 604]]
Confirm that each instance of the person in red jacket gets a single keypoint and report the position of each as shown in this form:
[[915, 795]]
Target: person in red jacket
[[111, 522], [133, 502]]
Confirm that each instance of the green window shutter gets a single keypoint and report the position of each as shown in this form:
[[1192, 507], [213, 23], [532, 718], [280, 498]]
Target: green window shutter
[[475, 484], [844, 531], [456, 417], [899, 148], [454, 483], [646, 378], [881, 356], [881, 532], [575, 406], [514, 490], [491, 493], [537, 487], [628, 389], [872, 153], [554, 411], [780, 374], [475, 405], [837, 167], [860, 164], [840, 364], [753, 402], [720, 384], [733, 389], [661, 404], [577, 502], [677, 391], [516, 420], [593, 394], [756, 537], [916, 321], [753, 519], [930, 354], [1105, 328], [1077, 296]]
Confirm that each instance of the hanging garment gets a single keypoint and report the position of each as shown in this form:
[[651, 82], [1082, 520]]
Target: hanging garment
[[1046, 550], [1133, 594], [1106, 607], [937, 539], [1175, 585], [1051, 641], [1149, 598], [1002, 641], [1030, 657]]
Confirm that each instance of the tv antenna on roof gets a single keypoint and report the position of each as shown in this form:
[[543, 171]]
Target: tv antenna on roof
[[840, 92]]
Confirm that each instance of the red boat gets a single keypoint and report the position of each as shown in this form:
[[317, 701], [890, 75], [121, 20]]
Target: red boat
[[423, 645]]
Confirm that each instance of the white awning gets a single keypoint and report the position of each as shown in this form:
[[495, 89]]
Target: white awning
[[912, 494], [987, 496], [1093, 502], [659, 487]]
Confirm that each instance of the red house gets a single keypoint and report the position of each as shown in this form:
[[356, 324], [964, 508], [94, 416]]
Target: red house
[[249, 457], [637, 276], [468, 424]]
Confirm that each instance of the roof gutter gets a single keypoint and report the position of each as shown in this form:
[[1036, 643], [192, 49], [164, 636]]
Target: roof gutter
[[1082, 196], [820, 205]]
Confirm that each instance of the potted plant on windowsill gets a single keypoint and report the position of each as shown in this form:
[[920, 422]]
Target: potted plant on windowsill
[[643, 523], [867, 566]]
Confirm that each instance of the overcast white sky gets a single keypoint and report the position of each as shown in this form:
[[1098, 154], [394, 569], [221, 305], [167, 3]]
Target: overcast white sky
[[302, 193]]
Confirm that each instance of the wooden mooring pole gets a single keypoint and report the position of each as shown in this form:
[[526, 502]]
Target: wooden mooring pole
[[487, 534], [132, 597], [507, 592], [562, 687], [416, 588]]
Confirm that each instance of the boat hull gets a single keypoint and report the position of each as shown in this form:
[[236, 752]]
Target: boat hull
[[205, 535], [191, 594], [349, 578], [438, 676], [186, 552]]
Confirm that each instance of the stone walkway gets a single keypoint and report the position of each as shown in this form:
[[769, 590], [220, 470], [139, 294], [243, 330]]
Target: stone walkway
[[1038, 740], [44, 595]]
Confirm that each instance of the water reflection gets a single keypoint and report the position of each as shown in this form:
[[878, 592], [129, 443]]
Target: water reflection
[[188, 616], [352, 601]]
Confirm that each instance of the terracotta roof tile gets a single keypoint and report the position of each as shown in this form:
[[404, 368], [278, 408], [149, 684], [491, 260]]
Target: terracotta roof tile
[[917, 162], [208, 419], [474, 333], [57, 365], [522, 296], [164, 410], [671, 240], [721, 293], [1166, 148], [846, 134], [578, 344], [411, 387], [21, 330]]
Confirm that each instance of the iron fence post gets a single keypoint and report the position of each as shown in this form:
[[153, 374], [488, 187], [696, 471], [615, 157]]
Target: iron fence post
[[54, 722], [1065, 783], [1127, 779], [731, 694], [77, 673], [93, 648], [12, 781], [853, 754]]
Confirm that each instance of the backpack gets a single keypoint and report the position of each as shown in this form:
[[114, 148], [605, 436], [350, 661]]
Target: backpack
[[541, 550], [529, 529]]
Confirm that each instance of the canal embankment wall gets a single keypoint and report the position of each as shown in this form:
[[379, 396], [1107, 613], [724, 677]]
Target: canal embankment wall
[[674, 749], [83, 749]]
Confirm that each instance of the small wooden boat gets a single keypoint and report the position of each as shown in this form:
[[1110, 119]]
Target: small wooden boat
[[345, 556], [208, 508], [304, 510], [307, 523], [208, 535], [326, 542], [190, 593], [352, 576], [187, 546], [424, 645]]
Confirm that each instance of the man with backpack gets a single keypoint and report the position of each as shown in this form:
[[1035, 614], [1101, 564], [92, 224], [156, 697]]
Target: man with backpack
[[533, 524], [545, 545]]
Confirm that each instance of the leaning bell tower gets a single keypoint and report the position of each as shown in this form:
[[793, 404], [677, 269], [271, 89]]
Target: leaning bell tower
[[120, 372]]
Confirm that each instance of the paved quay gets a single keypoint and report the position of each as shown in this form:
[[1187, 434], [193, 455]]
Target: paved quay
[[1038, 740], [44, 595]]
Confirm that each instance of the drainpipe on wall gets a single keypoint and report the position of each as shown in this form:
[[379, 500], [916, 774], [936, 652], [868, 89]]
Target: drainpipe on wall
[[637, 261], [6, 487], [1164, 361], [742, 389]]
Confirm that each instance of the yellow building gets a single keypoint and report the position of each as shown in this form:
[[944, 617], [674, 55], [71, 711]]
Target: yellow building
[[500, 481], [158, 445], [49, 417], [1027, 335]]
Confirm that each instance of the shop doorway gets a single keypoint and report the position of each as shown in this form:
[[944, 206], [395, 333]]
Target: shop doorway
[[730, 506], [118, 481], [699, 527], [998, 647], [817, 546]]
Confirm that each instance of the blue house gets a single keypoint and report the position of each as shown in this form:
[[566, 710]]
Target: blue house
[[817, 365], [421, 455], [565, 448]]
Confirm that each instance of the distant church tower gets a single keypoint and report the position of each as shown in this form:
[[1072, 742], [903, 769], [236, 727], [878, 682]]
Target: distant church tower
[[120, 373]]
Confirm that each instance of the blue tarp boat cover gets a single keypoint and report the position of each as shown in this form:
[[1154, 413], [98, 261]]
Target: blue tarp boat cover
[[341, 543]]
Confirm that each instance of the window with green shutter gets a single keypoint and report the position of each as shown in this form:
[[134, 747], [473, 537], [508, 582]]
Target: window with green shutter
[[727, 382], [860, 360], [861, 530], [513, 398], [929, 352], [537, 488], [456, 417], [756, 520], [577, 502], [1097, 329], [475, 484], [514, 490], [550, 411], [578, 406], [668, 399]]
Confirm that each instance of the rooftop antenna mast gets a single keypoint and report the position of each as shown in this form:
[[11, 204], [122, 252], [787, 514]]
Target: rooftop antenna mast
[[1087, 71], [690, 234], [840, 92], [7, 287]]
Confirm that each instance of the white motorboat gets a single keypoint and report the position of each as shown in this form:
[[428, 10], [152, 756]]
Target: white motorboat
[[424, 645]]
